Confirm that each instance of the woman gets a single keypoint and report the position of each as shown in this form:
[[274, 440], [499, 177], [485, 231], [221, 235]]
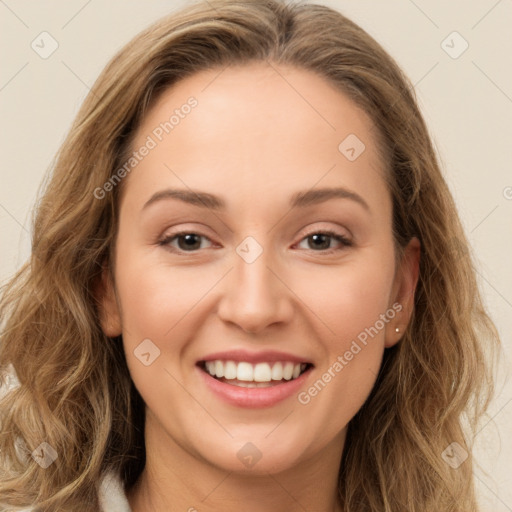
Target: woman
[[244, 286]]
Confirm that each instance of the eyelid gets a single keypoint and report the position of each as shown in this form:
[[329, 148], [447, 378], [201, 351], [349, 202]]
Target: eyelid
[[181, 229], [326, 231]]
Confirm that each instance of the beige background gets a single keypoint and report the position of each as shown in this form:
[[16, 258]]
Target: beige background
[[467, 103]]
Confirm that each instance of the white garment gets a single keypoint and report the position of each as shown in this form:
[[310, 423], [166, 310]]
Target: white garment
[[111, 495]]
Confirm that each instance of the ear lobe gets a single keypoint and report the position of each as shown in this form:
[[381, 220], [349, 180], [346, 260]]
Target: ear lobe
[[108, 308], [404, 289]]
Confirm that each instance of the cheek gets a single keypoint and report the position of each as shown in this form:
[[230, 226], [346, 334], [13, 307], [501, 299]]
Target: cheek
[[160, 304], [155, 296], [340, 301], [349, 299], [353, 307]]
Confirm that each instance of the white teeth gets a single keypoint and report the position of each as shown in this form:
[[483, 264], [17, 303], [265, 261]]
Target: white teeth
[[260, 372], [229, 370], [219, 369], [277, 371], [288, 371], [244, 371]]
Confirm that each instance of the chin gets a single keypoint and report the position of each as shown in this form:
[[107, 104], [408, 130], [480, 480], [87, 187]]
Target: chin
[[256, 457]]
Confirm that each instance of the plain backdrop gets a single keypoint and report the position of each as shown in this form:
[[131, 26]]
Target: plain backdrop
[[463, 82]]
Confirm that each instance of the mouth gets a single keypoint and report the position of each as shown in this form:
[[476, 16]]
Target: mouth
[[248, 375]]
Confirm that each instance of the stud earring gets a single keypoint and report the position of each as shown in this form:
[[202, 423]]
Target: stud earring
[[397, 329]]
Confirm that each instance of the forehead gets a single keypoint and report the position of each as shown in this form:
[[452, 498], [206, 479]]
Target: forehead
[[260, 127]]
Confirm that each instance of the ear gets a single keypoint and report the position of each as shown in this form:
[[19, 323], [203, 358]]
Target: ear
[[108, 307], [404, 287]]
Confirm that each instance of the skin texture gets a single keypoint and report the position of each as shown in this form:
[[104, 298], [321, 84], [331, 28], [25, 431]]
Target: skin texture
[[258, 134]]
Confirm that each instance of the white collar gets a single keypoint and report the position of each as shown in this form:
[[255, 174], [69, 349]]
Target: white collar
[[111, 494]]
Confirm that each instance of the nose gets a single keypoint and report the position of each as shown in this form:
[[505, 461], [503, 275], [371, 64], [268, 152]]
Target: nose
[[255, 295]]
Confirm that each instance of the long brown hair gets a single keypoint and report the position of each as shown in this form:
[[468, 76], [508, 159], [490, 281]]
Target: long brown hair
[[76, 393]]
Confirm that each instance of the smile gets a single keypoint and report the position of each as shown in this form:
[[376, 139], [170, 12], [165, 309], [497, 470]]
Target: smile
[[245, 374], [253, 385]]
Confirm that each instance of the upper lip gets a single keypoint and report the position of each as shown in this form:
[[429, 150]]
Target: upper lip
[[266, 356]]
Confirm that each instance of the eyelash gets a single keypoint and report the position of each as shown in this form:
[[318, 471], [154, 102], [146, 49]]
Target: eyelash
[[336, 236]]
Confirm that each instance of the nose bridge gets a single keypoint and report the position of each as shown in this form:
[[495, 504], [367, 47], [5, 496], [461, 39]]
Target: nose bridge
[[254, 297], [252, 271]]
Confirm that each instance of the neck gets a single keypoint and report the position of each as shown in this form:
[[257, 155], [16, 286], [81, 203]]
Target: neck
[[176, 480]]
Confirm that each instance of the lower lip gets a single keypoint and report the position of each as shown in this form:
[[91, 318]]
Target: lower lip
[[254, 397]]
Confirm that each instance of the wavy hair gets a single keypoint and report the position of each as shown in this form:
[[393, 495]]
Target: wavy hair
[[75, 389]]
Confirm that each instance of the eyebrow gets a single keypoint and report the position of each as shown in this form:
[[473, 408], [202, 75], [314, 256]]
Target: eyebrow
[[300, 199]]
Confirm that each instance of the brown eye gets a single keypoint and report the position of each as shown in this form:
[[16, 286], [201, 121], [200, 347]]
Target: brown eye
[[186, 241], [321, 241], [191, 241]]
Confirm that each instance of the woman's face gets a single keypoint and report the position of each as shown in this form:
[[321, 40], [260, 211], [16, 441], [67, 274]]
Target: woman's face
[[238, 267]]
